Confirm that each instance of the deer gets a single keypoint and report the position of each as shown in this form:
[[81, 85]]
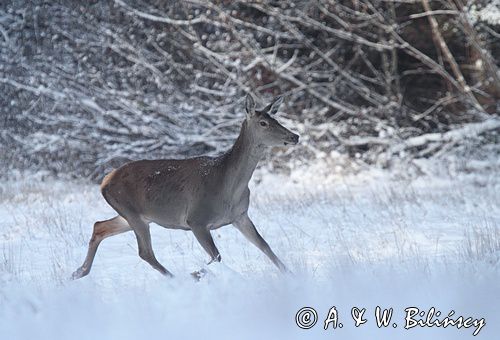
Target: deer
[[197, 194]]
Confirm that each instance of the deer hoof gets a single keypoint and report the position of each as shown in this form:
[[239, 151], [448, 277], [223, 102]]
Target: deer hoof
[[199, 274], [79, 273], [217, 258]]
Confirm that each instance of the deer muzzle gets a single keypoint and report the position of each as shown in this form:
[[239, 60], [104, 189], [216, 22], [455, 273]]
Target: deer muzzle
[[293, 140]]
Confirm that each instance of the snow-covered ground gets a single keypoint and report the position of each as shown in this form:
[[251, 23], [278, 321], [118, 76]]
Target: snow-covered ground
[[357, 241]]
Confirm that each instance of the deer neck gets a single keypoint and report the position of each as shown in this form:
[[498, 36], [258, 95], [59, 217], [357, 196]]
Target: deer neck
[[242, 159]]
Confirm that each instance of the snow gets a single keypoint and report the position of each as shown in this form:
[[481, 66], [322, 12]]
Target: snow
[[365, 240], [489, 13]]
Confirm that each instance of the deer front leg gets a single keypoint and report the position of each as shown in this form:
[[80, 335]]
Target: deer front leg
[[245, 225], [143, 235], [204, 237]]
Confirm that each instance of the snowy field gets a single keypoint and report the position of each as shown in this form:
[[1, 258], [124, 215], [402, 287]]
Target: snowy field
[[358, 241]]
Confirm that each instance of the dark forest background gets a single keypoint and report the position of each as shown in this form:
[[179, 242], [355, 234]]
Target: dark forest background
[[88, 85]]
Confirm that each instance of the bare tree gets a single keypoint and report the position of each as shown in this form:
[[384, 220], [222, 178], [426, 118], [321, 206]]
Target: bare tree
[[86, 88]]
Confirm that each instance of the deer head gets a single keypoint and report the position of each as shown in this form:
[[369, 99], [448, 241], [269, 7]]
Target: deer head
[[266, 130]]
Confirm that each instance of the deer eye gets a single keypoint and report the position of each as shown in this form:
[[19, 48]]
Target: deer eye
[[263, 123]]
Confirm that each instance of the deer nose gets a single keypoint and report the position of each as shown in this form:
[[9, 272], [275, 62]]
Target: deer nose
[[292, 139]]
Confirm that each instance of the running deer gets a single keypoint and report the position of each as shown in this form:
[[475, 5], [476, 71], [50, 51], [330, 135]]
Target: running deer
[[198, 194]]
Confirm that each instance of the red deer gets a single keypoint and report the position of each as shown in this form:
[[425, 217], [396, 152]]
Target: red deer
[[198, 194]]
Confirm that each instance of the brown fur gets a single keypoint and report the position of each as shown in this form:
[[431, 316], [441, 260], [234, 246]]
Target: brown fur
[[107, 178], [197, 194]]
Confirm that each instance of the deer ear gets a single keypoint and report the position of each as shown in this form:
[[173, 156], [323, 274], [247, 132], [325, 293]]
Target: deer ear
[[250, 105], [275, 105]]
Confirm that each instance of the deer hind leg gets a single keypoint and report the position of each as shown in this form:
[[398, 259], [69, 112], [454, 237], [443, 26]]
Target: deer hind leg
[[143, 235], [102, 230]]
